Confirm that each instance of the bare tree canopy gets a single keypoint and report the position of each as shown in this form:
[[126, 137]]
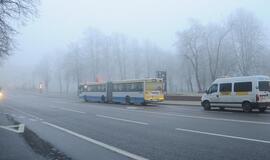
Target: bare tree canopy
[[10, 11], [234, 47]]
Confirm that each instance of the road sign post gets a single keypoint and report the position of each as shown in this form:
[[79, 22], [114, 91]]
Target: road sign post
[[163, 76]]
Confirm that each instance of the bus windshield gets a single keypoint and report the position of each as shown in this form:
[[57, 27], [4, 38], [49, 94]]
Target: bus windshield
[[264, 86], [154, 86]]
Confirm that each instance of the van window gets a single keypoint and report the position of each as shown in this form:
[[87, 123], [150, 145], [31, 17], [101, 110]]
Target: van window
[[243, 87], [225, 87], [213, 88], [264, 86]]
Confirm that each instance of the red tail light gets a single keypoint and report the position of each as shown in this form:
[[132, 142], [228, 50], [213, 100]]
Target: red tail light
[[257, 97]]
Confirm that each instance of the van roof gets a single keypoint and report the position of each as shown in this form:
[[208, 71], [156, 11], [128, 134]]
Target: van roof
[[243, 78]]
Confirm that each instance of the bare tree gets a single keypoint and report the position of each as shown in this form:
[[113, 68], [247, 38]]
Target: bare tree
[[215, 39], [190, 45], [11, 10], [247, 39]]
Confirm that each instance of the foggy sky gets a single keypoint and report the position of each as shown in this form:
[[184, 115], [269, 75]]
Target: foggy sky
[[61, 22]]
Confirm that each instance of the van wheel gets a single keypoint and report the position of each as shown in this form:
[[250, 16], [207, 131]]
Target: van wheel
[[247, 107], [127, 100], [262, 109], [206, 105], [103, 99]]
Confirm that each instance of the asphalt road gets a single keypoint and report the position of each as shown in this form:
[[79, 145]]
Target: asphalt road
[[157, 132]]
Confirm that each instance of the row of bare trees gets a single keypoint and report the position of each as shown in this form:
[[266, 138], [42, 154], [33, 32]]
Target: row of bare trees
[[100, 57], [234, 47]]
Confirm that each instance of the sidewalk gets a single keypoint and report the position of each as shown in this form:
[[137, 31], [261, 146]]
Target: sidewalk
[[12, 145], [181, 103]]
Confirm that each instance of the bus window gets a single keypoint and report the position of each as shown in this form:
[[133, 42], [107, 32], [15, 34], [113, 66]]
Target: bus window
[[121, 87], [138, 86], [115, 88], [128, 87], [154, 86], [89, 88]]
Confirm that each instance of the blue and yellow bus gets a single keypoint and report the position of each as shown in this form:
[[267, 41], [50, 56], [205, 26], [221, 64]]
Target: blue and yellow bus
[[139, 91]]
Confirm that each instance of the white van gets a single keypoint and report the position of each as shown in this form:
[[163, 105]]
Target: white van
[[248, 92]]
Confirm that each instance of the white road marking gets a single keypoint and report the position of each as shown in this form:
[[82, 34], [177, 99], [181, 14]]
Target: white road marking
[[106, 146], [133, 108], [71, 110], [219, 119], [199, 117], [31, 119], [223, 135], [13, 128], [31, 115], [120, 119]]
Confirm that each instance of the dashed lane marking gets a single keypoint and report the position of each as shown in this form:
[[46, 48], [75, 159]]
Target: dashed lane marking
[[72, 110], [222, 135], [120, 119]]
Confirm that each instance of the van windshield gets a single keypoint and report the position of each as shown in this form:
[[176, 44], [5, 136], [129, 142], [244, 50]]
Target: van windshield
[[264, 86]]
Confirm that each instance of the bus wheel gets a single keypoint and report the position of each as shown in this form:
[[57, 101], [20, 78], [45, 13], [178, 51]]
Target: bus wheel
[[247, 107], [127, 100], [103, 99], [262, 109], [144, 103], [206, 105], [85, 99]]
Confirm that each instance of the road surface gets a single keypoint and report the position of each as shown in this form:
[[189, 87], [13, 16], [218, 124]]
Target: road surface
[[86, 131]]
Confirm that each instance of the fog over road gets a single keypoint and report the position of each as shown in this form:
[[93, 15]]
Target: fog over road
[[156, 132]]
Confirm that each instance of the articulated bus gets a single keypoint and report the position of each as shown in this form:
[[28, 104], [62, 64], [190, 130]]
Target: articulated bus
[[140, 91]]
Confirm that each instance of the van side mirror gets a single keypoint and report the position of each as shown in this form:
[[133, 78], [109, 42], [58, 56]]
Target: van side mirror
[[206, 91]]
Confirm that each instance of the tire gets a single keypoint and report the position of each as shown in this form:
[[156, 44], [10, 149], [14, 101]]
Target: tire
[[247, 108], [85, 99], [127, 99], [206, 105], [144, 104], [262, 109], [102, 99]]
